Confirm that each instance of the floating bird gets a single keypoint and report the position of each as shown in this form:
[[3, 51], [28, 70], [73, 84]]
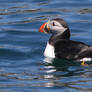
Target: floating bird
[[60, 46]]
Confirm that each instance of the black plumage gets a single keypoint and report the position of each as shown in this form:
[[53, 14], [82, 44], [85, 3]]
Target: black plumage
[[72, 50]]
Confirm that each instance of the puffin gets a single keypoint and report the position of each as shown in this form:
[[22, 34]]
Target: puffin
[[61, 46]]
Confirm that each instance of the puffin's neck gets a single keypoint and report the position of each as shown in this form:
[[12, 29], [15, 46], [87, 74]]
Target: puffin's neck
[[58, 36]]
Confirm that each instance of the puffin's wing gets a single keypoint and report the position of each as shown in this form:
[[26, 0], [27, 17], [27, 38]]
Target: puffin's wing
[[71, 50]]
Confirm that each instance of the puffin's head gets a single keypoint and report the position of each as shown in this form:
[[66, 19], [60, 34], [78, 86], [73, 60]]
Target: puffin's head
[[55, 26]]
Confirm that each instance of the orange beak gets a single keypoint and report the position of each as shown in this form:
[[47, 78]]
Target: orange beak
[[44, 28]]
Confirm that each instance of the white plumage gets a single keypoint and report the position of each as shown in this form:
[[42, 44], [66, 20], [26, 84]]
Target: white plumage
[[49, 51]]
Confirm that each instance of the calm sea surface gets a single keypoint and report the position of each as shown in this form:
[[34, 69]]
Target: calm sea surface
[[22, 67]]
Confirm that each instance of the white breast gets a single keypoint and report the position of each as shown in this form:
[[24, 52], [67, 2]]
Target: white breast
[[49, 51]]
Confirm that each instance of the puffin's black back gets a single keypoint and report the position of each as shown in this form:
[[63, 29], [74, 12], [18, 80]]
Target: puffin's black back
[[72, 50]]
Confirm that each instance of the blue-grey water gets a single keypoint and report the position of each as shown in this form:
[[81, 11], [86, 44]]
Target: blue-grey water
[[22, 67]]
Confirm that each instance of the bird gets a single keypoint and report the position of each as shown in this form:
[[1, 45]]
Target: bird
[[61, 46]]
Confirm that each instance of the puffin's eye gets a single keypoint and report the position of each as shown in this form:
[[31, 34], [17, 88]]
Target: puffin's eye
[[53, 24]]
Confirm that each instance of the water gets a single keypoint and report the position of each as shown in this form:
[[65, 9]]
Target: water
[[22, 67]]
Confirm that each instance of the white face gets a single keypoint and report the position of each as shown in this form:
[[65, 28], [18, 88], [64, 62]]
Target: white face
[[56, 27]]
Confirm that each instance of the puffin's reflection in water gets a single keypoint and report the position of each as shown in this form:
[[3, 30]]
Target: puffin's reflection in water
[[60, 64], [62, 73]]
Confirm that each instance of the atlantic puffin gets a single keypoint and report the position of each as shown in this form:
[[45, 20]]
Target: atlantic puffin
[[60, 46]]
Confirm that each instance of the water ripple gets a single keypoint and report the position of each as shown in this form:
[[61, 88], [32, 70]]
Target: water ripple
[[22, 66]]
